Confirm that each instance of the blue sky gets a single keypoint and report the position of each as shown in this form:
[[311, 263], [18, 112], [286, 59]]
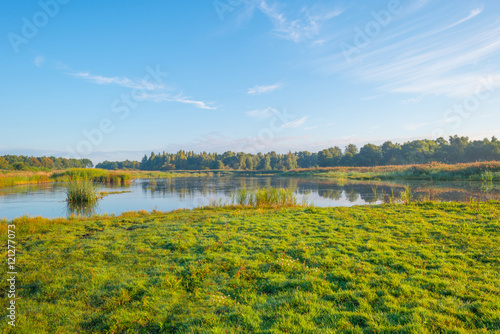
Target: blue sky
[[117, 79]]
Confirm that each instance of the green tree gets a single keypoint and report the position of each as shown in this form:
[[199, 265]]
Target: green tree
[[349, 158], [369, 155], [291, 161], [391, 153], [267, 163], [324, 158], [4, 164]]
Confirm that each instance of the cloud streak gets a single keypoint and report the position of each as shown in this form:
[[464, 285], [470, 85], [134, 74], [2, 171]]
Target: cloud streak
[[298, 26], [257, 90], [164, 97], [148, 91], [436, 61], [297, 123], [262, 113], [119, 81]]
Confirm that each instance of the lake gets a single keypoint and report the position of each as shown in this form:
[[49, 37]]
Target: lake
[[48, 200]]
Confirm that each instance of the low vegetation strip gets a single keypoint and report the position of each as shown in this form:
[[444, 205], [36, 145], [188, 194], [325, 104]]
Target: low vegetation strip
[[478, 171], [95, 175], [9, 179], [416, 268], [13, 178]]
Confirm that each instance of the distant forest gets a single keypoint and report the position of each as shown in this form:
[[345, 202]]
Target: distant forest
[[455, 150], [21, 162]]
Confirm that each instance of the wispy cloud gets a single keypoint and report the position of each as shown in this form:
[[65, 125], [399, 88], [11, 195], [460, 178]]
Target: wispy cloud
[[186, 100], [148, 91], [257, 90], [119, 81], [297, 123], [262, 113], [39, 60], [372, 97], [164, 97], [474, 12], [412, 100], [415, 6], [435, 61], [295, 26]]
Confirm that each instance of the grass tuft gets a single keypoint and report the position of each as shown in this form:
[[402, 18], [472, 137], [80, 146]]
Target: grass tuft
[[81, 192], [265, 197]]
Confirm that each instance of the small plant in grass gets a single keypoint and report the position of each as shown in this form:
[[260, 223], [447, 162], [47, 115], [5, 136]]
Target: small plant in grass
[[288, 264], [221, 300], [406, 196], [216, 204], [81, 192]]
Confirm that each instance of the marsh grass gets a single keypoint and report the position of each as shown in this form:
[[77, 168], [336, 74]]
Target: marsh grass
[[81, 192], [9, 179], [477, 171], [265, 197], [13, 178], [94, 175], [102, 194], [406, 196]]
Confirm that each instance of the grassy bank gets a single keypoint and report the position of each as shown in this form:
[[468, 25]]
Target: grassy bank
[[481, 171], [8, 179], [13, 178], [417, 268], [478, 171]]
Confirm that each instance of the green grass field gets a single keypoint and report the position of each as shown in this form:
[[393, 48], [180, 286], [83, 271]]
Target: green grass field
[[417, 268]]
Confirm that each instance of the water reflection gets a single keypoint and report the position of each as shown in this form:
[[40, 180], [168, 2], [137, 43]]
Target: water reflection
[[48, 200], [353, 192], [82, 209]]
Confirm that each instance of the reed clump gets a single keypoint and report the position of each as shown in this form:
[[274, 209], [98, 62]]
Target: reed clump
[[82, 192], [265, 197], [94, 175]]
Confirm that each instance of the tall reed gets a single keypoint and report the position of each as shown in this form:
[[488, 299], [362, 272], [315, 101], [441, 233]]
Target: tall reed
[[406, 196], [81, 192], [95, 175], [273, 197]]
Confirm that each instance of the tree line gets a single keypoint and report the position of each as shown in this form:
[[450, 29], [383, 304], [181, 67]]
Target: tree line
[[455, 150], [21, 162]]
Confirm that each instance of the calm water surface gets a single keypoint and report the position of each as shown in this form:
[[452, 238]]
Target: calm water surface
[[47, 200]]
